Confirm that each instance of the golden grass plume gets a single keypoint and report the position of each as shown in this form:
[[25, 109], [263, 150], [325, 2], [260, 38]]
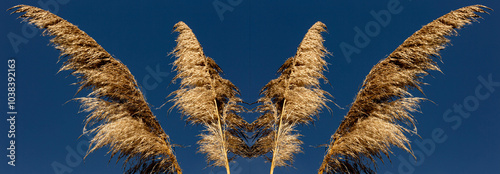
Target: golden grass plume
[[119, 114], [376, 119], [208, 99], [295, 97]]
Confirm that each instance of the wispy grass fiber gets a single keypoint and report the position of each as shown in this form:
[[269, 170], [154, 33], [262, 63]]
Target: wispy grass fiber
[[294, 98], [208, 99], [377, 118], [120, 117]]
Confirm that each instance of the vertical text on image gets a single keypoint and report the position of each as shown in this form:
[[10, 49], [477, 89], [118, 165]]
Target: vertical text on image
[[11, 113]]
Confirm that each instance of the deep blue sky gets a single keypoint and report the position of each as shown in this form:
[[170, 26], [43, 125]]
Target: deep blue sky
[[250, 44]]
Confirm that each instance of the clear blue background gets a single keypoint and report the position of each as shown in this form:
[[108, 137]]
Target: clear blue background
[[250, 44]]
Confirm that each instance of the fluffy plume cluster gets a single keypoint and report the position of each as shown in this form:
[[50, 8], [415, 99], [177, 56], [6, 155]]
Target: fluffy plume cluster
[[121, 119], [291, 99], [119, 114], [372, 124], [208, 99]]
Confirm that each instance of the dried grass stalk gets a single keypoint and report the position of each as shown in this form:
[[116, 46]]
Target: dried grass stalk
[[208, 99], [373, 124], [119, 113], [295, 97]]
